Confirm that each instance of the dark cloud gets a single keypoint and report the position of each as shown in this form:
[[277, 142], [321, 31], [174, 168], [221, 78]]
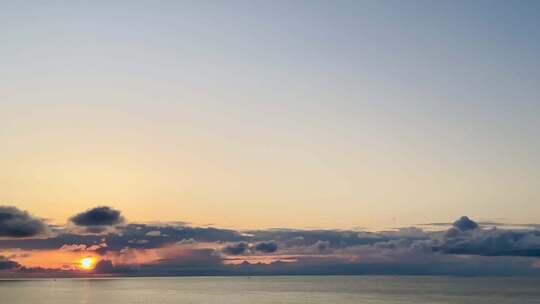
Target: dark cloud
[[452, 232], [7, 264], [99, 216], [17, 223], [104, 266], [266, 247], [494, 242], [322, 245], [236, 249], [149, 236], [464, 224]]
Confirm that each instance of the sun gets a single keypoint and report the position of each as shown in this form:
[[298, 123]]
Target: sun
[[87, 263]]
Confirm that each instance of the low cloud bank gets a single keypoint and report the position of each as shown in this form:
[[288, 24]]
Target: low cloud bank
[[465, 248]]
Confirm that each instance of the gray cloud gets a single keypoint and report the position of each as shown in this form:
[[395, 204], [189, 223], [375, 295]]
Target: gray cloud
[[104, 266], [129, 236], [335, 238], [7, 264], [236, 249], [464, 224], [266, 247], [493, 242], [322, 245], [98, 216], [17, 223]]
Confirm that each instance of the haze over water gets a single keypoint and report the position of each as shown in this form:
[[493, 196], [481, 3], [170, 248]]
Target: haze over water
[[291, 289]]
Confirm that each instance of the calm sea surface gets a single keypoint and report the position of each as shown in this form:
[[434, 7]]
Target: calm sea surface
[[333, 290]]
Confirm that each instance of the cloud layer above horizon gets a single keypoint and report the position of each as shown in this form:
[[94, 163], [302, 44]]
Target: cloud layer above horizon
[[31, 247]]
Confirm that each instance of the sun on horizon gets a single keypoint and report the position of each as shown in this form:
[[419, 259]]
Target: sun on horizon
[[87, 263]]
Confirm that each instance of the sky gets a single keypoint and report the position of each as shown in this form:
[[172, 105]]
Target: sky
[[329, 116]]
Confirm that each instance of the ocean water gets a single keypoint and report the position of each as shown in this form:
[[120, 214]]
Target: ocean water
[[294, 289]]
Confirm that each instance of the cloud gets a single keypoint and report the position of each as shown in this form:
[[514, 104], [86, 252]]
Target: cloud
[[186, 242], [73, 247], [322, 245], [153, 233], [104, 266], [493, 242], [98, 216], [266, 247], [452, 232], [124, 235], [172, 249], [17, 223], [7, 264], [236, 249], [335, 238], [83, 247], [464, 224]]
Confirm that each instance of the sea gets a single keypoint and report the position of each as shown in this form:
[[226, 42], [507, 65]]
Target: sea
[[274, 289]]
